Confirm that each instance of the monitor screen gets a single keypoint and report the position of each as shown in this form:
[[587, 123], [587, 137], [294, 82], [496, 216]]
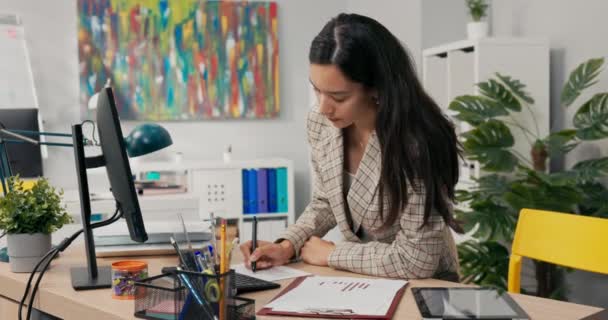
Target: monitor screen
[[25, 158], [117, 164]]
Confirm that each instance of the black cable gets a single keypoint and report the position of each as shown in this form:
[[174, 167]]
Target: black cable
[[115, 217], [29, 281], [44, 268], [60, 248]]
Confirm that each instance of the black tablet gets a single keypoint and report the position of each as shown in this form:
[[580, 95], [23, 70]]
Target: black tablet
[[466, 303]]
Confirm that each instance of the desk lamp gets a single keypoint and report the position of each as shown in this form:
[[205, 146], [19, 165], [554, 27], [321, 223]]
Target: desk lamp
[[144, 139], [20, 136]]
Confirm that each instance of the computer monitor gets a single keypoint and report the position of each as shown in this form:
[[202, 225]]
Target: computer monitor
[[25, 158], [114, 158], [117, 164]]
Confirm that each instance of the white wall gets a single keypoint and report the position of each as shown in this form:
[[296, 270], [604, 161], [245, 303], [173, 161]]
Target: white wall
[[50, 28], [402, 17], [443, 22]]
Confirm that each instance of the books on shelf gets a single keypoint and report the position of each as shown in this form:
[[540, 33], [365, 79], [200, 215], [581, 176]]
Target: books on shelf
[[264, 190]]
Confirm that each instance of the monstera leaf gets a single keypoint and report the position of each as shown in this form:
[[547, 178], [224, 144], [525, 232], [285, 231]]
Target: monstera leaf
[[581, 78], [485, 263], [475, 110], [489, 186], [536, 194], [564, 178], [589, 170], [496, 91], [492, 205], [560, 142], [492, 186], [591, 119], [597, 166], [583, 172], [516, 87], [488, 143], [494, 221], [594, 203]]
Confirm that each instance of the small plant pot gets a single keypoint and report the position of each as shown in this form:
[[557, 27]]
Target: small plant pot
[[477, 30], [25, 250]]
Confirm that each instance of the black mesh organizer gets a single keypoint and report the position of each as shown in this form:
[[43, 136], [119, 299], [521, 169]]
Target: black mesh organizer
[[243, 283], [184, 295]]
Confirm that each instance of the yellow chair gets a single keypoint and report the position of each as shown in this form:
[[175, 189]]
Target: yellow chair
[[27, 184], [568, 240]]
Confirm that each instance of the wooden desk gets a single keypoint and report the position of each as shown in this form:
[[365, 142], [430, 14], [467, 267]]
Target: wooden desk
[[57, 297]]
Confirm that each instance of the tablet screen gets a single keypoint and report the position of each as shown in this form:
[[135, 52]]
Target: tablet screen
[[466, 303]]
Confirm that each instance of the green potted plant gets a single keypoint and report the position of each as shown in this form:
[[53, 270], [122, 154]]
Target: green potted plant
[[477, 28], [29, 216], [512, 182]]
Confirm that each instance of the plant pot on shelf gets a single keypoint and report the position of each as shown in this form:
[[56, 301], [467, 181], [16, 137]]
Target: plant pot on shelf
[[477, 30], [25, 250]]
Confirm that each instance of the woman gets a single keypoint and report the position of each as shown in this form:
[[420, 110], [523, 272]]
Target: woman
[[375, 135]]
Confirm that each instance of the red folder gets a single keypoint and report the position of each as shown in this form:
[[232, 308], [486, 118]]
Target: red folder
[[297, 281]]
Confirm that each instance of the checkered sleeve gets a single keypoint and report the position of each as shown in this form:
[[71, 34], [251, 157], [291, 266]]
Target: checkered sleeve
[[415, 253], [318, 218]]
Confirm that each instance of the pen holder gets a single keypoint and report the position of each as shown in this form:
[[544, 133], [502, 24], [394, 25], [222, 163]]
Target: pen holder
[[191, 296]]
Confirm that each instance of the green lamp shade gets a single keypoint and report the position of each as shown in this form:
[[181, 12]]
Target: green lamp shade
[[147, 138]]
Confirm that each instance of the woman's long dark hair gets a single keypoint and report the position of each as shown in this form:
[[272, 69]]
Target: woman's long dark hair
[[418, 142]]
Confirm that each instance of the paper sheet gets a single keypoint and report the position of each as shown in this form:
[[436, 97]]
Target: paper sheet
[[272, 274], [344, 295]]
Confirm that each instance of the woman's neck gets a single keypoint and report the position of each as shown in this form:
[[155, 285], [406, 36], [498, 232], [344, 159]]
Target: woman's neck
[[364, 127], [358, 137]]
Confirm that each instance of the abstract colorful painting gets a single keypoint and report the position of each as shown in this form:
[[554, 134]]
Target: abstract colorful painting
[[181, 59]]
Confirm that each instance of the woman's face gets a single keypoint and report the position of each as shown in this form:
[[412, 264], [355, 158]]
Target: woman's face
[[342, 101]]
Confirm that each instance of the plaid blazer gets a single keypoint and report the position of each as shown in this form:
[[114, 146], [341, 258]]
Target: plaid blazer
[[400, 251]]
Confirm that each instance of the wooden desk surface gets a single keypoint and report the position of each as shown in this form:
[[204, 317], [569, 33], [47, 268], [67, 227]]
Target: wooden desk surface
[[57, 297]]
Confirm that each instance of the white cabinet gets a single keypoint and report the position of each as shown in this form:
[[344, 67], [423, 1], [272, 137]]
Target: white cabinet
[[269, 229], [217, 187], [454, 69]]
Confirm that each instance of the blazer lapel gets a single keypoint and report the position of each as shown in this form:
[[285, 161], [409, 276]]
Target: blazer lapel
[[362, 192], [333, 170]]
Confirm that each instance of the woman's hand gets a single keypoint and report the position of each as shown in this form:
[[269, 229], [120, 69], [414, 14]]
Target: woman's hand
[[267, 254], [316, 251]]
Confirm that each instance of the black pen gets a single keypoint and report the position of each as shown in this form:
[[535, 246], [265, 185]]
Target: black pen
[[254, 240]]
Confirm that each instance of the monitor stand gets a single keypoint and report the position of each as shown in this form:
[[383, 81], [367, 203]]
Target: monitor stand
[[89, 277], [82, 281]]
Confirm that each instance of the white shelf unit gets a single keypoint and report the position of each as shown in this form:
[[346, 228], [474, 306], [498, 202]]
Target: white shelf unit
[[454, 69], [217, 188]]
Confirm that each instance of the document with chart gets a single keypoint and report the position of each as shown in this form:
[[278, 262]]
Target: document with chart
[[339, 296]]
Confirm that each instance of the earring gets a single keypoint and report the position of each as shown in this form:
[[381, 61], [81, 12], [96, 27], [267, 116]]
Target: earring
[[376, 101]]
